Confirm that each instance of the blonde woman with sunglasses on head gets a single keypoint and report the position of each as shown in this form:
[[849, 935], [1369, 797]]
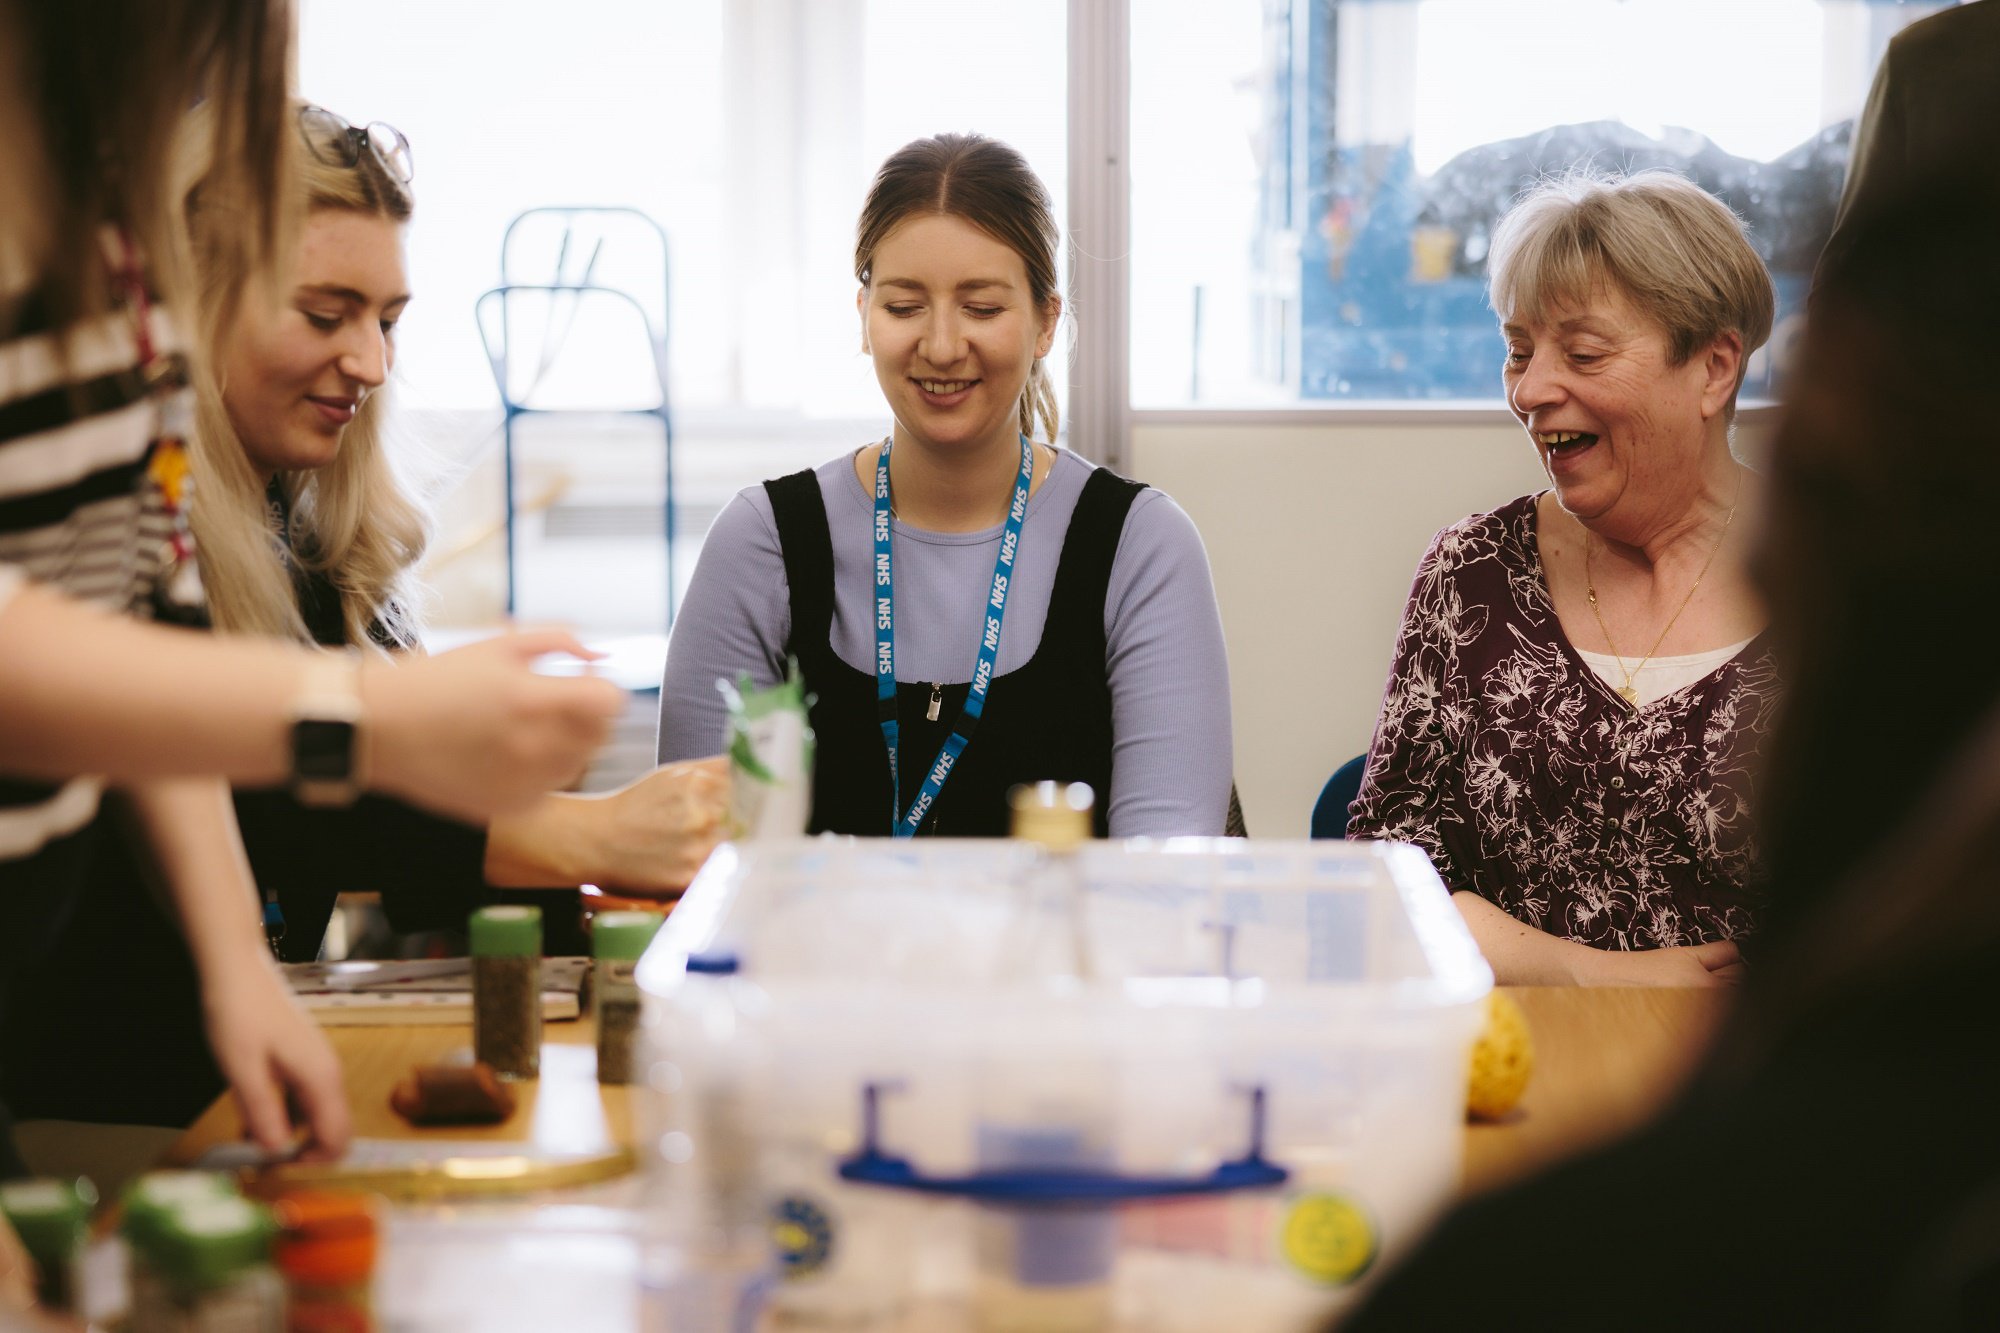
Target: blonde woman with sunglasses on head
[[308, 534]]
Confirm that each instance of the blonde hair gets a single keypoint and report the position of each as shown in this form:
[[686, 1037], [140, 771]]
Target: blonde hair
[[351, 520], [991, 186], [1673, 249]]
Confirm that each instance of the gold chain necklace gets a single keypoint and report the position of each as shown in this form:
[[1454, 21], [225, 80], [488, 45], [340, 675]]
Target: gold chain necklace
[[1627, 691]]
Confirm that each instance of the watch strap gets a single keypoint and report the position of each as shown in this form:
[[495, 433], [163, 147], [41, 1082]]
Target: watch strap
[[326, 730]]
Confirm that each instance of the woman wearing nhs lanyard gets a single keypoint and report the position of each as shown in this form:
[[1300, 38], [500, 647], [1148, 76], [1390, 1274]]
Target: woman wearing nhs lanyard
[[971, 606]]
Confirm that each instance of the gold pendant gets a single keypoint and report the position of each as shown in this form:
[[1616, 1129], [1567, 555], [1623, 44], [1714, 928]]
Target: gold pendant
[[1629, 695]]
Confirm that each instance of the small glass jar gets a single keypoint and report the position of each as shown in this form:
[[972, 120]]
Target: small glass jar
[[617, 939], [507, 989]]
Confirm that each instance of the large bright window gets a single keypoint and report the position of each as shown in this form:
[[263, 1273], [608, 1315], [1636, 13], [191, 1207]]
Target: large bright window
[[747, 128], [1312, 188], [1314, 182]]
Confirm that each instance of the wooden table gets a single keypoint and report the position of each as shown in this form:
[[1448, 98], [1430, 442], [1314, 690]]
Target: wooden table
[[1604, 1059], [565, 1110]]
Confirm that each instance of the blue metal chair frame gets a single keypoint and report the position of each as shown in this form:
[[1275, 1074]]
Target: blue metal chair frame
[[497, 360]]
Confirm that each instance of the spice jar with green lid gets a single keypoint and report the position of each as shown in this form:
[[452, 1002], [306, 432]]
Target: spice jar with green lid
[[205, 1267], [617, 939], [506, 989], [52, 1218]]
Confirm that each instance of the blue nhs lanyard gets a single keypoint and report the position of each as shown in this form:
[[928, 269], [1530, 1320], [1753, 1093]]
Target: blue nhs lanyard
[[904, 824]]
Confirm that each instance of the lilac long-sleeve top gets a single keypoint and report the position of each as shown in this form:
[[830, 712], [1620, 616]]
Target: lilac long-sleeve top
[[1168, 670]]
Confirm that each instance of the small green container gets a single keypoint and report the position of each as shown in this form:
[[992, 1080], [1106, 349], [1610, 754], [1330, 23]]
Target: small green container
[[623, 935], [148, 1200], [52, 1218], [205, 1264], [510, 931], [208, 1243]]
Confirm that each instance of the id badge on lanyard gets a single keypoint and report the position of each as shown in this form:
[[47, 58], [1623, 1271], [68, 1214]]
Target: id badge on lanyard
[[904, 823]]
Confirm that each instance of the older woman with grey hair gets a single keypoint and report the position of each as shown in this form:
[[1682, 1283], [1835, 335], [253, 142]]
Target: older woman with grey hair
[[1580, 683]]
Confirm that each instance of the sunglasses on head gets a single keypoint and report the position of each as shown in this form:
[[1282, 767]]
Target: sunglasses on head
[[338, 144]]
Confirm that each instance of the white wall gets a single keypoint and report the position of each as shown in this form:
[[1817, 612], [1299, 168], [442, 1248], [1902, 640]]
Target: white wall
[[1314, 531]]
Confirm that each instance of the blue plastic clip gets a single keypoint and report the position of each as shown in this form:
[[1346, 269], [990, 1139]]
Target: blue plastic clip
[[1031, 1186]]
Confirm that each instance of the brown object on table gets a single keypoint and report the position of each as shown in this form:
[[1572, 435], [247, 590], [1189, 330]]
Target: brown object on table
[[452, 1095]]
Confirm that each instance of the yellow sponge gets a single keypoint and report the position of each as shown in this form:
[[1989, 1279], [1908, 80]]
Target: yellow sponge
[[1502, 1059]]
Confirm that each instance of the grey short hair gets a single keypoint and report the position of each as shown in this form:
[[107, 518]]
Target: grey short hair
[[1673, 249]]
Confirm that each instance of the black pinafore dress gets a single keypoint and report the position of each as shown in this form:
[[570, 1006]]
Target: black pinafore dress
[[1050, 719]]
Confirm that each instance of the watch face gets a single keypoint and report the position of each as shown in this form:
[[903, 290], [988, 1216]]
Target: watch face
[[322, 750]]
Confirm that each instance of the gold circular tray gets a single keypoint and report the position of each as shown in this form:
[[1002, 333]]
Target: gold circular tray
[[446, 1177]]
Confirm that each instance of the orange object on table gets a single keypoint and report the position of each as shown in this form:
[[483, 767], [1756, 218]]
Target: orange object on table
[[328, 1241]]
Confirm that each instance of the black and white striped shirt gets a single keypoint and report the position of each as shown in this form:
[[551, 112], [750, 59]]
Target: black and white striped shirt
[[93, 488]]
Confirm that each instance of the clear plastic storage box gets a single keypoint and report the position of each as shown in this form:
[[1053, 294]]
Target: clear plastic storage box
[[1153, 1085]]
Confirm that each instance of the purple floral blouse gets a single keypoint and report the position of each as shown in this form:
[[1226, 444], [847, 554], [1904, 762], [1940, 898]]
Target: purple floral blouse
[[1531, 783]]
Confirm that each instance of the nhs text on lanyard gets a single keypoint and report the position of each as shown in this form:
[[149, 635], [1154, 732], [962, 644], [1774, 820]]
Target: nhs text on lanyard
[[902, 823]]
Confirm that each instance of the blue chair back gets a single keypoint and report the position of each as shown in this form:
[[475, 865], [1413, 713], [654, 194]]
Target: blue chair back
[[1329, 817]]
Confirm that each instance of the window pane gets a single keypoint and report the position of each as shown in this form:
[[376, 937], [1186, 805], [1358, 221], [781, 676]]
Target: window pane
[[748, 128], [1315, 181]]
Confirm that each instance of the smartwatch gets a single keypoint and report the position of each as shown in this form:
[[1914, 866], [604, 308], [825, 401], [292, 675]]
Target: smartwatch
[[326, 731]]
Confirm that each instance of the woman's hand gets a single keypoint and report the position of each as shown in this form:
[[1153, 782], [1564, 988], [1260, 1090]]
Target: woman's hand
[[267, 1047], [277, 1061], [1521, 955], [649, 837], [475, 732], [652, 835], [1715, 964]]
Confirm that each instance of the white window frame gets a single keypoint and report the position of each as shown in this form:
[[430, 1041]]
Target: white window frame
[[1100, 228]]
